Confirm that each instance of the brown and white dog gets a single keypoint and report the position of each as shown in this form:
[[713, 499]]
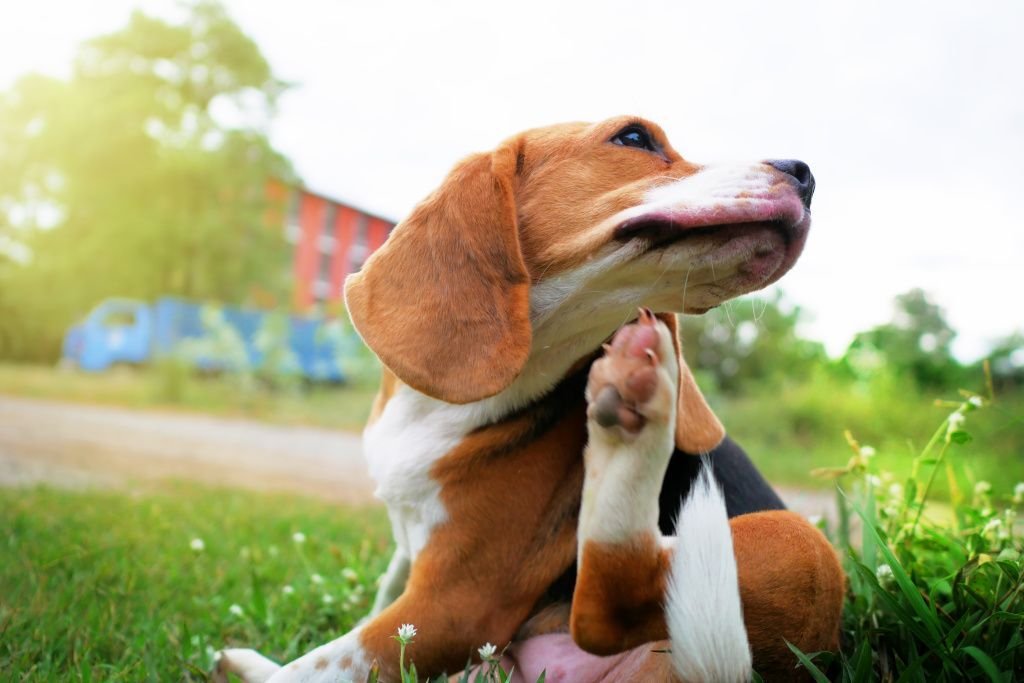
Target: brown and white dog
[[506, 453]]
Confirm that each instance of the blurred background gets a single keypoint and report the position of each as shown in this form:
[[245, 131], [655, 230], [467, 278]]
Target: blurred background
[[185, 185]]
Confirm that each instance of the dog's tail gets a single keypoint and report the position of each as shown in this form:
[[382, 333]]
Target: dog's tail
[[703, 612]]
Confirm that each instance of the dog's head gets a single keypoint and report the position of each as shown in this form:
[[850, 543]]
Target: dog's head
[[546, 245]]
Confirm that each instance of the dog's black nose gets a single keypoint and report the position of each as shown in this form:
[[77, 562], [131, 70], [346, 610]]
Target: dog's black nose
[[801, 173]]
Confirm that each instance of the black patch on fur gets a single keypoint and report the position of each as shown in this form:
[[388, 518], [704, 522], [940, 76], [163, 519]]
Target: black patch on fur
[[744, 488]]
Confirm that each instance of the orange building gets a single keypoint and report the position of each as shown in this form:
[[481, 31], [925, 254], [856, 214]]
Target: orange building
[[331, 239]]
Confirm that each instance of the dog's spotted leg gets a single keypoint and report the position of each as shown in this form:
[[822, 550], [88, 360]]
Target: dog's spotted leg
[[632, 396], [727, 594], [249, 665]]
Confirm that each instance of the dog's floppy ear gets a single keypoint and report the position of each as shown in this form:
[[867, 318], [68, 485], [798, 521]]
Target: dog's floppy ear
[[445, 302], [698, 429]]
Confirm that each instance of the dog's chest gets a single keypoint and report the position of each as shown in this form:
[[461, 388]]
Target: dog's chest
[[412, 433]]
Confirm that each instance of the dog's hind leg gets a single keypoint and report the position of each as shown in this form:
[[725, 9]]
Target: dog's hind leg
[[249, 665]]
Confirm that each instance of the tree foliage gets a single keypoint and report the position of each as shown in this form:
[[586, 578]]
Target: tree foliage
[[751, 341], [142, 174], [916, 344]]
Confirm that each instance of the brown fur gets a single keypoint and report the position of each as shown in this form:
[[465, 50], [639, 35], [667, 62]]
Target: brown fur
[[445, 305]]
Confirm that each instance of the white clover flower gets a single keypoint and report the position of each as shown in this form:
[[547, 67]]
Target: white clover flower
[[406, 632], [316, 578], [874, 481], [299, 537], [1018, 492], [982, 488], [197, 545], [895, 490], [884, 574], [287, 589], [955, 419], [236, 609], [976, 401], [867, 452], [991, 526], [328, 598], [487, 651], [353, 599], [349, 574]]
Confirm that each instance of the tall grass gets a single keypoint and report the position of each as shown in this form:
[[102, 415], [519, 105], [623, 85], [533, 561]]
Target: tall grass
[[936, 591]]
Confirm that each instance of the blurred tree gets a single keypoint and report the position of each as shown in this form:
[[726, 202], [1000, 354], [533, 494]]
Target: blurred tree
[[916, 344], [142, 174], [750, 341], [1007, 363]]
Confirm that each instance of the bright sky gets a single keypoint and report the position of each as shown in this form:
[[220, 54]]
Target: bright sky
[[911, 115]]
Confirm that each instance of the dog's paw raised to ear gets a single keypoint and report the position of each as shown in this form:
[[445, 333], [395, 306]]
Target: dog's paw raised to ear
[[634, 383]]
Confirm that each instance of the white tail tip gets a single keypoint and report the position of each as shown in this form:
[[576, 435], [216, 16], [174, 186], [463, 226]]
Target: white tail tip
[[703, 611]]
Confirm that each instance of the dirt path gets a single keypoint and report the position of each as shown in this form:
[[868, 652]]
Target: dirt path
[[74, 445]]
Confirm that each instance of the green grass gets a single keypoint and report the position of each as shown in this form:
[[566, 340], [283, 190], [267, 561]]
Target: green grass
[[165, 388], [796, 428], [105, 586], [789, 430]]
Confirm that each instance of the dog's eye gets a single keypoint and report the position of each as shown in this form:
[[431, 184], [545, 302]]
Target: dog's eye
[[634, 136]]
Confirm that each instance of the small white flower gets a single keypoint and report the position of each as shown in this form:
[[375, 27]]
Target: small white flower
[[328, 598], [299, 537], [874, 481], [287, 590], [1018, 492], [992, 525], [884, 574], [895, 490], [955, 420], [982, 488], [349, 574], [236, 610], [197, 545], [316, 578], [975, 401], [487, 651], [815, 520], [353, 599], [867, 452], [406, 632]]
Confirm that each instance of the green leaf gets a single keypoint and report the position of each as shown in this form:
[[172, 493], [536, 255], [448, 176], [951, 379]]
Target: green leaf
[[862, 670], [816, 673], [904, 582], [959, 437], [985, 662]]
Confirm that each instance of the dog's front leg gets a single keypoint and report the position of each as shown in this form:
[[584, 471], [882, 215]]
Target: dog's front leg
[[392, 583], [622, 563], [726, 593]]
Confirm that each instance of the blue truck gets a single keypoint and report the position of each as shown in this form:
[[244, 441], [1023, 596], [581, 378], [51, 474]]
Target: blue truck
[[135, 332]]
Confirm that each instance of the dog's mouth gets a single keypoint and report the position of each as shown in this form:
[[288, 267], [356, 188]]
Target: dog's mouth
[[762, 245]]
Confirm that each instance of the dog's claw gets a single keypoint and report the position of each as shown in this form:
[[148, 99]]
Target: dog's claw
[[624, 382]]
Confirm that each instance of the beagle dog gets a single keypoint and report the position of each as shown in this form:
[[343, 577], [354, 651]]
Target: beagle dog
[[533, 448]]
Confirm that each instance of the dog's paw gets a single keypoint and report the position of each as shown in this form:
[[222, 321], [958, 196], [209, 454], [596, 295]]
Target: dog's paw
[[248, 665], [635, 383]]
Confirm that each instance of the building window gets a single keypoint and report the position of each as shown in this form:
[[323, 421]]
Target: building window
[[292, 228], [360, 244], [326, 244]]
